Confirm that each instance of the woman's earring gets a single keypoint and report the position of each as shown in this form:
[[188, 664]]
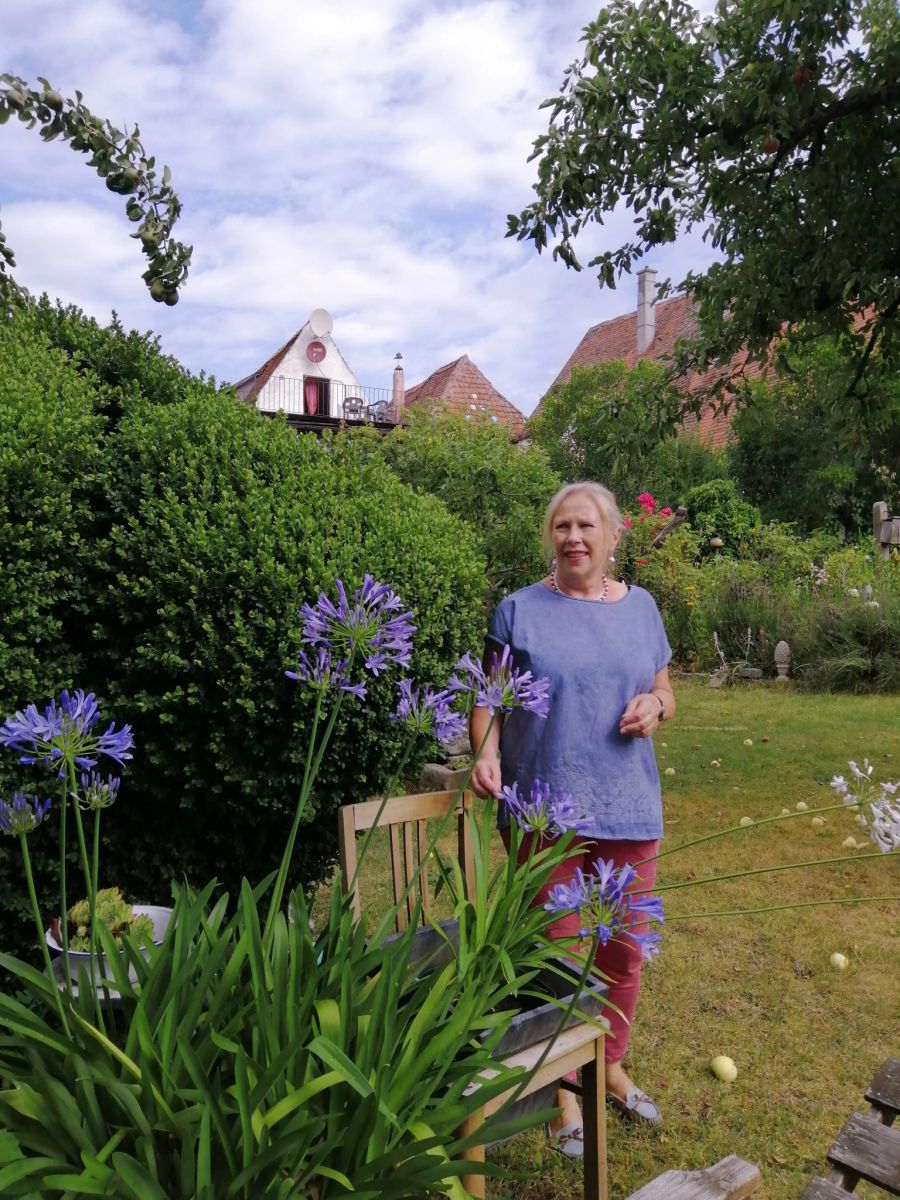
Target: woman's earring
[[612, 558]]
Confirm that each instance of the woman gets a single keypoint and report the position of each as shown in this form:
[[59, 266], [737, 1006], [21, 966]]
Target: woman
[[604, 648]]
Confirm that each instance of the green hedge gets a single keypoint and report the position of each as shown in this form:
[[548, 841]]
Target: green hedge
[[499, 488], [187, 541], [222, 524], [49, 461]]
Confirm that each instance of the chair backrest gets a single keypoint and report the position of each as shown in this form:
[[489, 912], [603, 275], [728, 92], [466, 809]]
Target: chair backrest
[[353, 407], [405, 818]]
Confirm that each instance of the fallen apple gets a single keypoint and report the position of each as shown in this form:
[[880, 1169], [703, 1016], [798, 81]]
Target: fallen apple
[[723, 1068]]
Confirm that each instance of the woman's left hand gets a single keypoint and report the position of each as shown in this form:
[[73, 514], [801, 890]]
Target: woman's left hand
[[641, 716]]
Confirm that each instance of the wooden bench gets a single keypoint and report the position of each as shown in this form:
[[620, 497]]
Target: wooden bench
[[730, 1179], [867, 1147]]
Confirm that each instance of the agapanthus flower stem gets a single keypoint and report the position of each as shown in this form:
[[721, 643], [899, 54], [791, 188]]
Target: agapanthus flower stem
[[747, 912], [308, 775], [710, 837], [88, 883], [82, 843], [95, 875], [42, 941], [63, 895], [815, 862]]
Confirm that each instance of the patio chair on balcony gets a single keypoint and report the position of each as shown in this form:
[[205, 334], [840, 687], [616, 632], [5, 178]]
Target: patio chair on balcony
[[380, 411], [353, 408]]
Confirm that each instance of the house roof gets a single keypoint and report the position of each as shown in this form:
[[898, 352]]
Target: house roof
[[617, 339], [253, 384], [460, 387]]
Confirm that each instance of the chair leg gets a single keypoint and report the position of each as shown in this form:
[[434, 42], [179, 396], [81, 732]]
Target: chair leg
[[474, 1184], [593, 1099]]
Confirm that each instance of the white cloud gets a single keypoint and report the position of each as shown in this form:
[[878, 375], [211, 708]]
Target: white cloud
[[356, 155]]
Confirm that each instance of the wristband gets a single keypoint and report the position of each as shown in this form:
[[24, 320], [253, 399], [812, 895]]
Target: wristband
[[662, 707]]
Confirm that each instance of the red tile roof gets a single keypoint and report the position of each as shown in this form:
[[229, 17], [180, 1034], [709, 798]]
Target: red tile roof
[[250, 387], [617, 339], [460, 387]]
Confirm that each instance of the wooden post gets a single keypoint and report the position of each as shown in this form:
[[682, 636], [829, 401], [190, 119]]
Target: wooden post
[[474, 1184], [880, 514], [677, 518], [593, 1101]]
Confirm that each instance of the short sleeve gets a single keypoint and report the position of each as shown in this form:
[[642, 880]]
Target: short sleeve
[[500, 627]]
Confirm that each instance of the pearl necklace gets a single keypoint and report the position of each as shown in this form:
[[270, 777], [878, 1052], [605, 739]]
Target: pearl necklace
[[554, 583]]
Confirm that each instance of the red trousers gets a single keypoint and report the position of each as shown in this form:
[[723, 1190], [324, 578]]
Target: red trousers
[[620, 959]]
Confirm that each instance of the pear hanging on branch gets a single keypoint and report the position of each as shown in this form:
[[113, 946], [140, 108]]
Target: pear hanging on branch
[[118, 157]]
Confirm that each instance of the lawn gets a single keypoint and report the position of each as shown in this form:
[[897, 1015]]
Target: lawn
[[806, 1037]]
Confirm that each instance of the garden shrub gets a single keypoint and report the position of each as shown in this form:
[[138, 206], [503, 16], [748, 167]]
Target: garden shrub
[[49, 453], [716, 510], [605, 421], [806, 453], [499, 488], [849, 645], [678, 464], [163, 569], [49, 459], [221, 523], [119, 363]]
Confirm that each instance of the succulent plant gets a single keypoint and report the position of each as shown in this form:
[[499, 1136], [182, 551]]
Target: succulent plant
[[116, 914]]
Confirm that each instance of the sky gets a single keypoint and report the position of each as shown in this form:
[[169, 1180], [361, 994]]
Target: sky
[[354, 155]]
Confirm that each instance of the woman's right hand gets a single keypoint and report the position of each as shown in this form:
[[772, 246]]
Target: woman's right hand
[[486, 775]]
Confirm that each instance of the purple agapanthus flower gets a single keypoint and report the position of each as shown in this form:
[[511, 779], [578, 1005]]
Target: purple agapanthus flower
[[426, 711], [543, 812], [502, 687], [64, 731], [324, 673], [372, 623], [98, 791], [605, 907], [20, 816]]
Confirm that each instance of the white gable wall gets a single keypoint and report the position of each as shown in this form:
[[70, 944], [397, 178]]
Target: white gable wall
[[284, 390]]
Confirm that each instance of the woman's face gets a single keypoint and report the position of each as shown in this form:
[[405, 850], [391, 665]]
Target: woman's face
[[580, 541]]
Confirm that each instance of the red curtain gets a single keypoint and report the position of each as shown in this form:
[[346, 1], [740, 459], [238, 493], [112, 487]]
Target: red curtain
[[311, 395]]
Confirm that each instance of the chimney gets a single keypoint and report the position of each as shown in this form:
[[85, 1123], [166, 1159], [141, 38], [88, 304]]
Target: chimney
[[398, 394], [646, 312]]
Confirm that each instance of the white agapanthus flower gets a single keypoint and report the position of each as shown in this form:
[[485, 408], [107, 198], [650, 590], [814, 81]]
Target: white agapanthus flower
[[879, 810]]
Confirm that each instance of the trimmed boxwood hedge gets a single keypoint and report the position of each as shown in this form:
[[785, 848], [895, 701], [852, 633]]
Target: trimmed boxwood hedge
[[199, 529]]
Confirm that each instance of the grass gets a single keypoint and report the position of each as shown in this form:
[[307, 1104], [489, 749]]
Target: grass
[[806, 1038]]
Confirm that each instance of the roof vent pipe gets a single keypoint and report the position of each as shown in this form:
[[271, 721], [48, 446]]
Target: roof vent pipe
[[646, 309]]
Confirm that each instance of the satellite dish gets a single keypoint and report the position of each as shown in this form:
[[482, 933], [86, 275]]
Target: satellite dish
[[320, 322]]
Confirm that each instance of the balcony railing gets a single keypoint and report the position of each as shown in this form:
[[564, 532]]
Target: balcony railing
[[326, 398]]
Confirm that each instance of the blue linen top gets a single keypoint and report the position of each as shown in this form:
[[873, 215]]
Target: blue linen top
[[598, 656]]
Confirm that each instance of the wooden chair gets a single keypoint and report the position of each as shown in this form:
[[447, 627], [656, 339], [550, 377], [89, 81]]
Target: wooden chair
[[580, 1046], [406, 820]]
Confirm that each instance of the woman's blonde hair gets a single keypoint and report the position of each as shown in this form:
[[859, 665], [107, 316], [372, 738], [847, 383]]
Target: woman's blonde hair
[[603, 500]]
